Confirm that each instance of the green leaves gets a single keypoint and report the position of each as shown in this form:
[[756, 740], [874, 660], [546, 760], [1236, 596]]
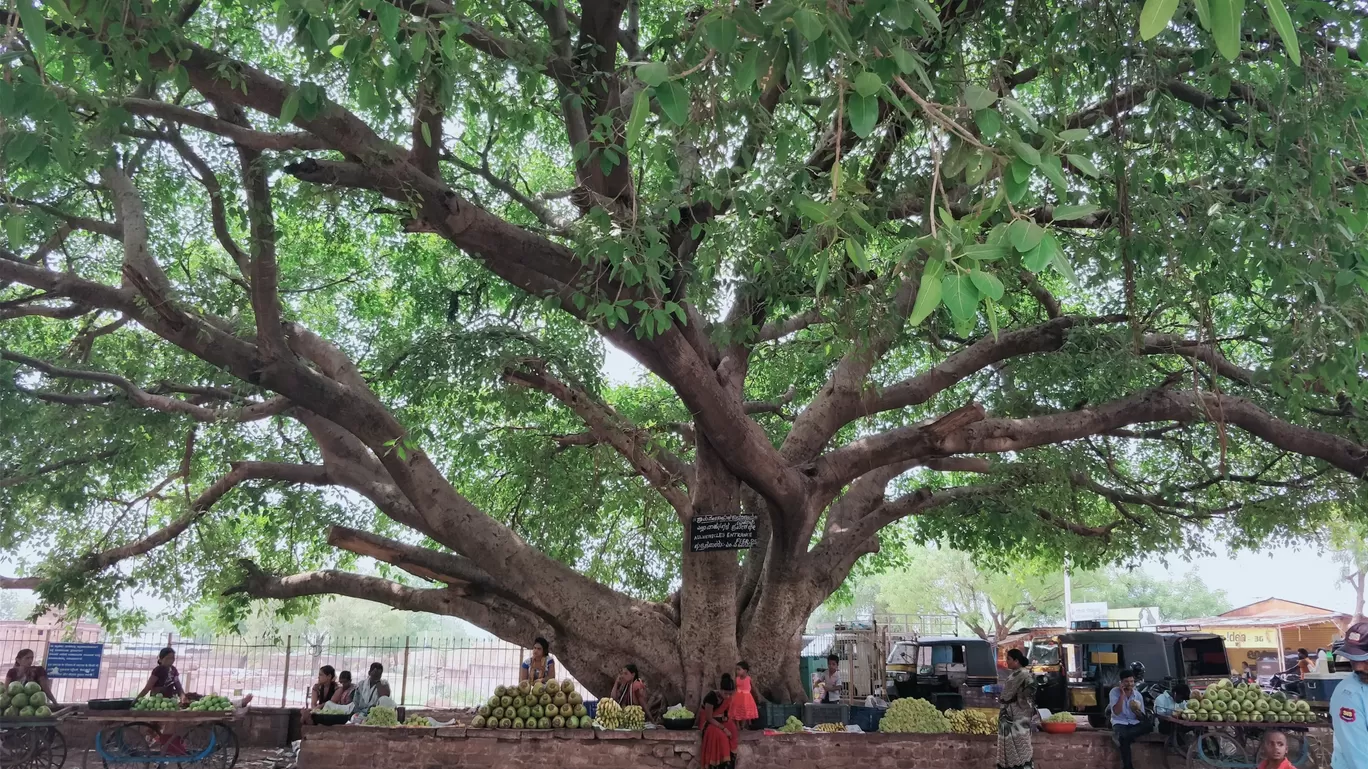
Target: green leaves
[[986, 283], [1226, 18], [35, 26], [641, 107], [1084, 164], [809, 24], [928, 292], [1070, 213], [720, 34], [674, 101], [653, 73], [1026, 152], [1154, 17], [864, 114], [868, 84], [1025, 234], [960, 296], [290, 108], [976, 97], [1282, 22]]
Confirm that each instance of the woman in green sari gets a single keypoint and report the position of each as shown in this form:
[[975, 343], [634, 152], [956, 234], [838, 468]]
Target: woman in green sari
[[1016, 715]]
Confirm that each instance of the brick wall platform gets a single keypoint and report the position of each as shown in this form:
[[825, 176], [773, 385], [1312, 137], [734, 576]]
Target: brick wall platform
[[359, 747]]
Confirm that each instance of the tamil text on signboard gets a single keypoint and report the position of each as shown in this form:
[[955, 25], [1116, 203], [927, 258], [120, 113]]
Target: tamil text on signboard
[[74, 660], [721, 532]]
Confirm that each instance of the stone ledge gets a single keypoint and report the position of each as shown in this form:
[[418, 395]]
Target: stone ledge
[[359, 747]]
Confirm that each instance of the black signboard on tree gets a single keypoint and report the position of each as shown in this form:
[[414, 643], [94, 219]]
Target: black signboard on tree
[[721, 532]]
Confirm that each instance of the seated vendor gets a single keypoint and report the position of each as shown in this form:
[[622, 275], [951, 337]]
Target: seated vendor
[[24, 672], [629, 689]]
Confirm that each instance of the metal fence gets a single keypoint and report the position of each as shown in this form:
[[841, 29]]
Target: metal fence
[[423, 671]]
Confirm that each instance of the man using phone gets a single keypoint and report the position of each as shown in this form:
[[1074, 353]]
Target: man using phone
[[1127, 711]]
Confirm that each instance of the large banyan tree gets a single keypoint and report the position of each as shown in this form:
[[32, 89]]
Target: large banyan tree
[[289, 286]]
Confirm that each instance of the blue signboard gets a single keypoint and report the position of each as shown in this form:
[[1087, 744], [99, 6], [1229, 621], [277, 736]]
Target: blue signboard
[[74, 660]]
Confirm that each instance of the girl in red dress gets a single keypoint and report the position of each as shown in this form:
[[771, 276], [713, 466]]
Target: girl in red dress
[[716, 752], [743, 709]]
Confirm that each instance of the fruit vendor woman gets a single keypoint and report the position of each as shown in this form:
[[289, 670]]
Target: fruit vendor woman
[[540, 666], [25, 672], [165, 679]]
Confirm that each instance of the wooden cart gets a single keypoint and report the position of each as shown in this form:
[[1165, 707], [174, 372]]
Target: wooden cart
[[1235, 745], [154, 739], [33, 742]]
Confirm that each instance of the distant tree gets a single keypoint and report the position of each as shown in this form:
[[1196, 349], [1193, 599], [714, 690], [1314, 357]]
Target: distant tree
[[15, 605], [990, 603], [1183, 597], [1349, 543]]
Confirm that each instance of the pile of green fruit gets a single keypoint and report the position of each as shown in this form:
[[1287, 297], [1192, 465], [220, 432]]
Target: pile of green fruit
[[214, 703], [418, 721], [24, 701], [913, 715], [613, 716], [792, 726], [1062, 717], [157, 702], [679, 711], [381, 716], [973, 721], [547, 705], [1245, 703]]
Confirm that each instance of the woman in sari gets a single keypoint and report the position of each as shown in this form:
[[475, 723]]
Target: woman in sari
[[716, 752], [1016, 715]]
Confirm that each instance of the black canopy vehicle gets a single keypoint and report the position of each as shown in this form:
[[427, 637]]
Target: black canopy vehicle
[[939, 669], [1090, 661]]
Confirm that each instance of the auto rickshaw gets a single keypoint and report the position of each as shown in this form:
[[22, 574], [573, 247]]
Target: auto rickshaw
[[939, 669], [1090, 661]]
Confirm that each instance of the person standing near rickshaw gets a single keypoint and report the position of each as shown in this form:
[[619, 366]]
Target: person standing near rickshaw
[[1016, 714]]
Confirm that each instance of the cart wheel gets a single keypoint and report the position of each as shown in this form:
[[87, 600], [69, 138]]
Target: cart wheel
[[17, 747], [128, 742], [50, 752], [216, 742], [1217, 748]]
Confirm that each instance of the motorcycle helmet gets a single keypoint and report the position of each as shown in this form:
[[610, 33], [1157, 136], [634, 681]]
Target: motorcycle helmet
[[1138, 668]]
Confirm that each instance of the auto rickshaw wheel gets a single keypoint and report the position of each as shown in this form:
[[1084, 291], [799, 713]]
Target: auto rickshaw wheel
[[1097, 720]]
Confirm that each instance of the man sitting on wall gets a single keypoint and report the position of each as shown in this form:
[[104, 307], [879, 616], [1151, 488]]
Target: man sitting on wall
[[1127, 711]]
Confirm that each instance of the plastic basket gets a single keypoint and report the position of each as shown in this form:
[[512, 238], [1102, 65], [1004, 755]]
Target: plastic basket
[[774, 715], [815, 713], [592, 707], [866, 718]]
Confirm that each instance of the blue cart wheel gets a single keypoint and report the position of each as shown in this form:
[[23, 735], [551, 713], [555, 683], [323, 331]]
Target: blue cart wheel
[[130, 746], [213, 746]]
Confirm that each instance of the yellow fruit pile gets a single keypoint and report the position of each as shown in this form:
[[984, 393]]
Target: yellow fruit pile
[[830, 728], [976, 721]]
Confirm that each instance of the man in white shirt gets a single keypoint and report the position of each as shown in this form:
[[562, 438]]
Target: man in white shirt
[[1127, 710], [832, 680]]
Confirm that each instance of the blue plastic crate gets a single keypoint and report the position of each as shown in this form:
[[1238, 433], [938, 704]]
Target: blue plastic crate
[[592, 707], [866, 718]]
